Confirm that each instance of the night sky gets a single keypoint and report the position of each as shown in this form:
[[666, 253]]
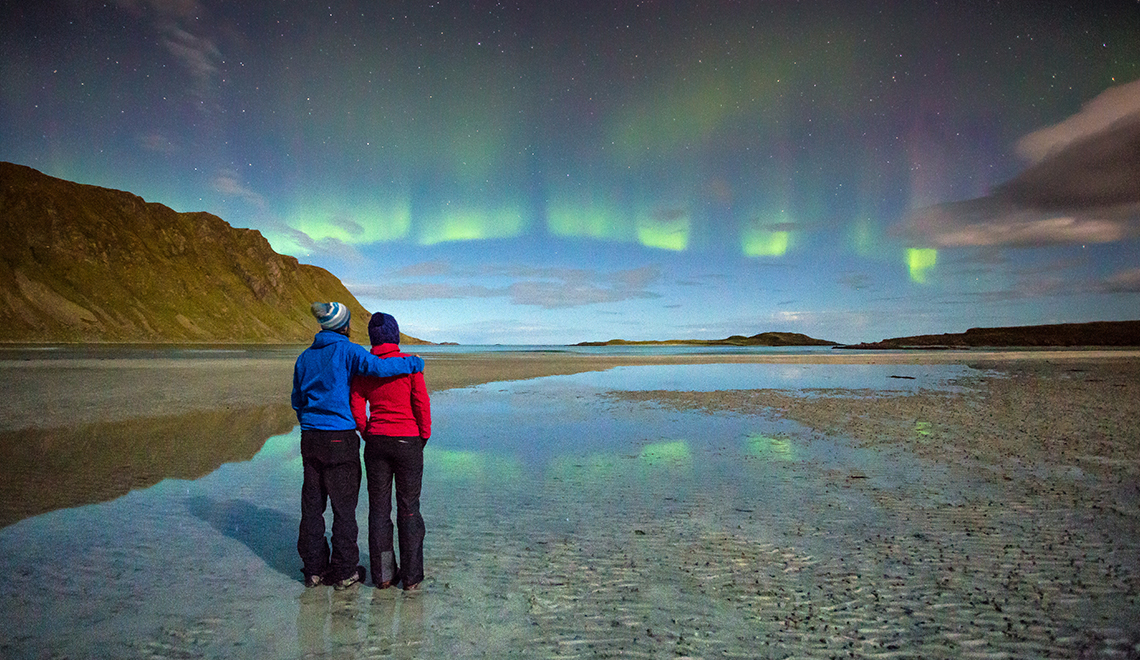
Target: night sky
[[556, 172]]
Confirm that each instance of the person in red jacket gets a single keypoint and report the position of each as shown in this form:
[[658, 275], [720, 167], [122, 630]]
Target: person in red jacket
[[394, 417]]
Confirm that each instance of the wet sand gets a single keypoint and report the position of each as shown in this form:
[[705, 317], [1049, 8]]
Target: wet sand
[[1038, 519], [1001, 519]]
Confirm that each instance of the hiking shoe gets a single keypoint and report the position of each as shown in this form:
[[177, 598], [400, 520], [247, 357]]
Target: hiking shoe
[[356, 578], [313, 581]]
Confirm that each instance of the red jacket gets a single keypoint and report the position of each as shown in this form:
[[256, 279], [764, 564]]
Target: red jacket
[[396, 406]]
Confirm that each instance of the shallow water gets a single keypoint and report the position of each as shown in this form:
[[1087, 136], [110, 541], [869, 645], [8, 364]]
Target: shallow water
[[713, 377], [563, 523]]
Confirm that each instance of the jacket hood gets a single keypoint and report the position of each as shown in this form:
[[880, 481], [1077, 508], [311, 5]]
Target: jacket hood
[[326, 337]]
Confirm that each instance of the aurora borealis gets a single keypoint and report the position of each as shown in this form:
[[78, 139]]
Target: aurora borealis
[[555, 172]]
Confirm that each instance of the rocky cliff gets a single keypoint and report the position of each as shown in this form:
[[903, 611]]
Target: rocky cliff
[[87, 264]]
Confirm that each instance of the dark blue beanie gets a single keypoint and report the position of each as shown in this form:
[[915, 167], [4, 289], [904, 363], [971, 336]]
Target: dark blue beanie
[[383, 329]]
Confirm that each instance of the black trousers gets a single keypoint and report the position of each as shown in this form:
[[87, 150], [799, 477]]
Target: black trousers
[[402, 459], [331, 462]]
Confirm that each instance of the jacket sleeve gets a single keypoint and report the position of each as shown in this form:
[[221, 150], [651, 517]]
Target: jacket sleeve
[[358, 402], [421, 405], [367, 364]]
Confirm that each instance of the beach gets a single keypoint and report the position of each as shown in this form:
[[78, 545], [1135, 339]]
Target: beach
[[45, 392], [960, 504]]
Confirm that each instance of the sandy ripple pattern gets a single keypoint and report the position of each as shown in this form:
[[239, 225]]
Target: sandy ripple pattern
[[979, 579]]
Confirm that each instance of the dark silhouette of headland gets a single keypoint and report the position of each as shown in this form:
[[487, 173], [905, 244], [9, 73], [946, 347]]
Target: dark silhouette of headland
[[1095, 333]]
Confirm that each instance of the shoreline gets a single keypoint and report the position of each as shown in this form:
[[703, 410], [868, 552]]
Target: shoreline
[[55, 392]]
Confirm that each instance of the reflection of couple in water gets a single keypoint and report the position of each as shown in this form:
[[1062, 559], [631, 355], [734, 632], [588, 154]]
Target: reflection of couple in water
[[328, 623], [339, 388]]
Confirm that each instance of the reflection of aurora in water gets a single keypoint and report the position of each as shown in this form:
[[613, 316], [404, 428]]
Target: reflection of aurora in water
[[653, 460], [669, 452], [772, 448], [466, 465]]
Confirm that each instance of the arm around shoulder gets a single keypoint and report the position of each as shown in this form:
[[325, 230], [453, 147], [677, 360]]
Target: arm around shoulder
[[370, 365]]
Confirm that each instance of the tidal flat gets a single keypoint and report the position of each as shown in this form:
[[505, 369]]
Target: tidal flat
[[909, 504]]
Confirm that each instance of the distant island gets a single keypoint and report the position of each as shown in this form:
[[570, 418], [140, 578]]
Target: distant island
[[762, 339], [1096, 333], [84, 264]]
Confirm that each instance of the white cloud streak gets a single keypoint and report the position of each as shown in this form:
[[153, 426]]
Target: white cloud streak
[[228, 183], [199, 55], [1127, 281], [1083, 186], [549, 288], [1098, 115], [158, 143]]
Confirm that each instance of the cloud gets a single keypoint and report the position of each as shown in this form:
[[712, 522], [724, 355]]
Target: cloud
[[1063, 277], [855, 281], [177, 8], [639, 278], [329, 247], [227, 183], [631, 278], [1094, 172], [426, 269], [669, 214], [199, 55], [347, 223], [549, 288], [1127, 281], [1096, 116], [990, 222], [1083, 186], [157, 142], [425, 291], [552, 295]]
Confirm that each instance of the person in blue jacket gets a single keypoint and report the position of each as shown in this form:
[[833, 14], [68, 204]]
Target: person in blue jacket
[[330, 447]]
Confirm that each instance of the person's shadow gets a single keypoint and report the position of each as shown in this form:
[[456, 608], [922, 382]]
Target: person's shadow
[[267, 532], [270, 534]]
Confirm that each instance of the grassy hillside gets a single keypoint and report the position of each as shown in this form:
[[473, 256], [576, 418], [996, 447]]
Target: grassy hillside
[[82, 263]]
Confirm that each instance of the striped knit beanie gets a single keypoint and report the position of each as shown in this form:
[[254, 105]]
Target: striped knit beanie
[[331, 315]]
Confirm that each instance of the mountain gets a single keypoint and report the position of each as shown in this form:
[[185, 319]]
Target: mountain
[[82, 263], [762, 339], [1096, 333]]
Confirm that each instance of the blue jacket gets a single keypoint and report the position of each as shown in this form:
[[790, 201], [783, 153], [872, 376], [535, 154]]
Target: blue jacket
[[323, 373]]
